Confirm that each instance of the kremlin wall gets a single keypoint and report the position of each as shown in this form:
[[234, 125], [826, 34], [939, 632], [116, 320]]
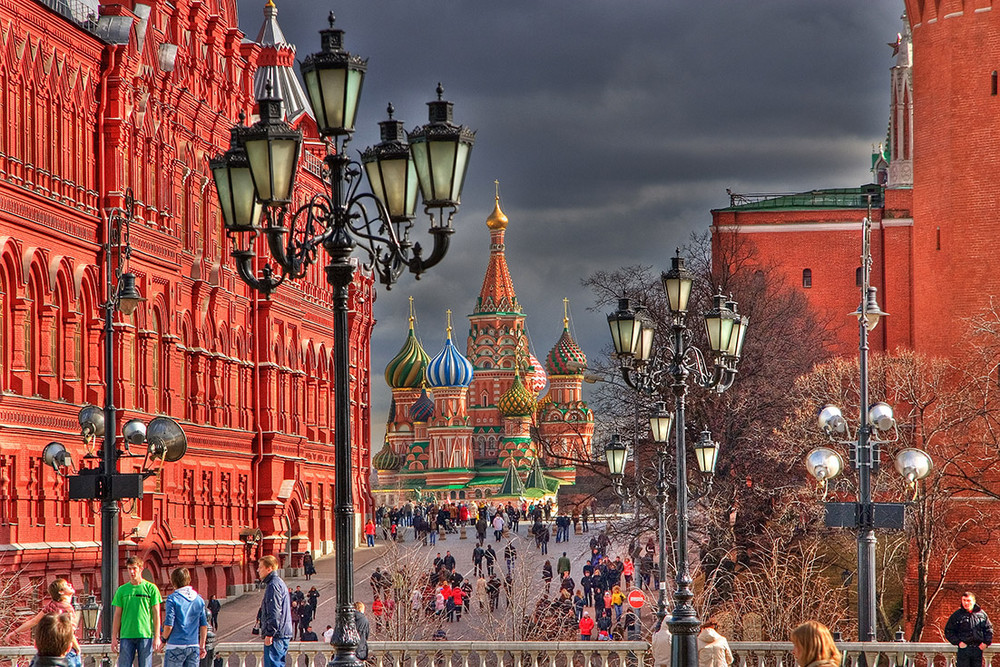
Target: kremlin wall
[[934, 202]]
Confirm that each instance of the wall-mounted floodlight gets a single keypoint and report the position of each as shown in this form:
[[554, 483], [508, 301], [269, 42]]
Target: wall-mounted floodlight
[[56, 455]]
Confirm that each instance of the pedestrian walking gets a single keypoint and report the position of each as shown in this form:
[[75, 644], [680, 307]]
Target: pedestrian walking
[[713, 649], [275, 613], [477, 560], [490, 556], [54, 638], [185, 623], [214, 606], [308, 567], [578, 604], [586, 627], [969, 629], [378, 609], [547, 574], [370, 533], [313, 598], [563, 564], [585, 516], [498, 527], [364, 629], [813, 646], [660, 646], [60, 602], [135, 629]]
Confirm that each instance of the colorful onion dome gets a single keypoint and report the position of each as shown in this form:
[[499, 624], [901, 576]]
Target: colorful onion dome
[[423, 408], [449, 368], [406, 370], [535, 377], [497, 219], [566, 358], [386, 459], [518, 401]]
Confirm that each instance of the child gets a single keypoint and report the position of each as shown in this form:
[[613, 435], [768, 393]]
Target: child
[[60, 593], [54, 639]]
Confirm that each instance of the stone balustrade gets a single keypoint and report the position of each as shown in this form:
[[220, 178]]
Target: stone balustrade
[[540, 654]]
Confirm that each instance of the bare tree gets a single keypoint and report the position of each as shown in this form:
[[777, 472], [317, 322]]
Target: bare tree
[[742, 419], [941, 407], [17, 600], [528, 610]]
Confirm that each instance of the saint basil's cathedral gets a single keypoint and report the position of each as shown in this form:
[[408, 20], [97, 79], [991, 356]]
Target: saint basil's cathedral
[[473, 427]]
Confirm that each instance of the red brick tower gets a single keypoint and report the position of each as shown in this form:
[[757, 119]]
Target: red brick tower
[[956, 137]]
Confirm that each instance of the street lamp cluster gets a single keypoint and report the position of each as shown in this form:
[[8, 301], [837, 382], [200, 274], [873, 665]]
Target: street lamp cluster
[[255, 179], [632, 333], [877, 426], [164, 438]]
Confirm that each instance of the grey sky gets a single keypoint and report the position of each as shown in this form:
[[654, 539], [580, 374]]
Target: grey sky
[[613, 127]]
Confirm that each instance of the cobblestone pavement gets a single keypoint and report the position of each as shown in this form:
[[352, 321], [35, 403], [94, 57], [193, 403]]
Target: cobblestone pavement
[[237, 617]]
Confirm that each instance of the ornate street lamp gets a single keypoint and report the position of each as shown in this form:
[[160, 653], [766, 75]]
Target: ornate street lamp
[[433, 159], [632, 336], [877, 427], [165, 437]]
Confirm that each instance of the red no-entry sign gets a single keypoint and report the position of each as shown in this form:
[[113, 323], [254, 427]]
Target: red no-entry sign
[[636, 598]]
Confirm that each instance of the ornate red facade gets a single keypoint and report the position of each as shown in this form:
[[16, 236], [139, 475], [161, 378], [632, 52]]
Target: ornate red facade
[[249, 379]]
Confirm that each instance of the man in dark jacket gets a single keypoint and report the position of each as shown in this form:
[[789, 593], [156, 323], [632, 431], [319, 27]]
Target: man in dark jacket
[[275, 613], [364, 628], [970, 630]]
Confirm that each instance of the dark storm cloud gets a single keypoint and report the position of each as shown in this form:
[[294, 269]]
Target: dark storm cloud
[[614, 128]]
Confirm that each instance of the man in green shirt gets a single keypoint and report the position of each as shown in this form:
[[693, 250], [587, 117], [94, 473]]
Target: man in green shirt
[[136, 627]]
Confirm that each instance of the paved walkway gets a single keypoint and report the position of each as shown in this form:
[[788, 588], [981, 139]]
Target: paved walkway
[[237, 617]]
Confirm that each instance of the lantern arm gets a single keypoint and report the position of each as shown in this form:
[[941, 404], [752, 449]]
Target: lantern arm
[[266, 283], [367, 221], [718, 377], [646, 377], [442, 239], [294, 239]]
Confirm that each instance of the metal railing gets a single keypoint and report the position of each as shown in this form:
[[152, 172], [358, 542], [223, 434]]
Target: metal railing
[[540, 654]]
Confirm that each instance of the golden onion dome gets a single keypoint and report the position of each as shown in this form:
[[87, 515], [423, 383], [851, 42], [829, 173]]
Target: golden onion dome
[[497, 219]]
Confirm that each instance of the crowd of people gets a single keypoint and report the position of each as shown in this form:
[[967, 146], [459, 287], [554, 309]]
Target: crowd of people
[[428, 519]]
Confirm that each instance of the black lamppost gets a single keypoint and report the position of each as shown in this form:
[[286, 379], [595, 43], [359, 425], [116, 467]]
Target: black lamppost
[[164, 438], [258, 171], [632, 335], [876, 427]]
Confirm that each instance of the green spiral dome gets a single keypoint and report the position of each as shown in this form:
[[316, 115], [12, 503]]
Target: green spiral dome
[[406, 370], [517, 401]]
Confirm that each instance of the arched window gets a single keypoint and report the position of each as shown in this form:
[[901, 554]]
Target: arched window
[[56, 336], [993, 83], [807, 278], [156, 366], [4, 336], [858, 277]]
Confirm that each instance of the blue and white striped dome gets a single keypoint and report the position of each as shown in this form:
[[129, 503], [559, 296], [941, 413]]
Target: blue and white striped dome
[[449, 368]]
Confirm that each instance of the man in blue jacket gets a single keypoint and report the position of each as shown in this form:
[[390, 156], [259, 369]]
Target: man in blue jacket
[[185, 623], [275, 613]]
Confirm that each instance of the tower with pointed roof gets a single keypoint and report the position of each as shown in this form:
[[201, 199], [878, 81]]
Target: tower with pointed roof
[[275, 67], [566, 423], [462, 427]]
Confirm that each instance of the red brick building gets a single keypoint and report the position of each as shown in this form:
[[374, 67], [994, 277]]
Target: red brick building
[[934, 221], [89, 107]]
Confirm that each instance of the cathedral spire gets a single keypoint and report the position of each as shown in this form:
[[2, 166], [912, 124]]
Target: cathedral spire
[[497, 294], [275, 67]]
